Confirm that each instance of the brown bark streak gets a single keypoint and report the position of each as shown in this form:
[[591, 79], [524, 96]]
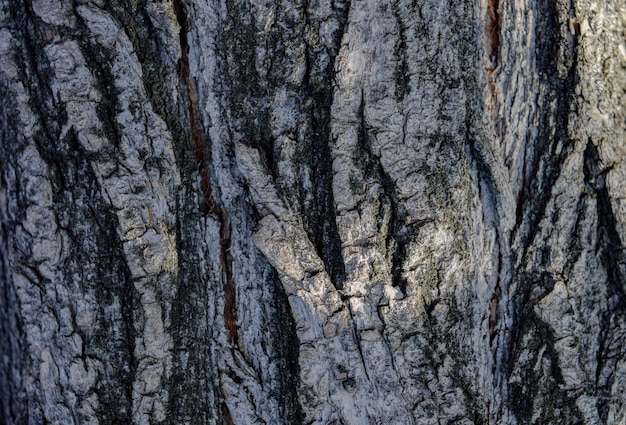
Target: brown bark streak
[[493, 30], [226, 415], [209, 206]]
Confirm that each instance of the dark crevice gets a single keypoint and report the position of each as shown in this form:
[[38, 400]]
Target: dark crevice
[[319, 210], [248, 114], [227, 417], [97, 60], [13, 406], [499, 336], [611, 251], [91, 227], [78, 205], [149, 49], [535, 339], [202, 149], [385, 338], [287, 348], [402, 77], [397, 278], [194, 373], [193, 355], [198, 145], [12, 396], [230, 296], [522, 196], [553, 144], [609, 241], [37, 75], [488, 193], [493, 31], [319, 213], [543, 163], [356, 336], [530, 289], [397, 237]]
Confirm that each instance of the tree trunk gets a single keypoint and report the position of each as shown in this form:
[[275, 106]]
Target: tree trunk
[[312, 212]]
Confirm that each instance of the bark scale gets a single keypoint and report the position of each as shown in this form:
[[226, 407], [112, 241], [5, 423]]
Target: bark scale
[[329, 212]]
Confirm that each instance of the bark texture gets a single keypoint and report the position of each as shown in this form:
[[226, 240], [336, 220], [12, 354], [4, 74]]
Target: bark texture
[[312, 212]]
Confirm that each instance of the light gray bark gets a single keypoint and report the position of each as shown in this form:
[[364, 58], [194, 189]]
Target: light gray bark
[[311, 211]]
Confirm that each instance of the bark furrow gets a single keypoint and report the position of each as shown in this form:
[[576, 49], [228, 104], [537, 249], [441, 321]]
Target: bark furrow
[[312, 212]]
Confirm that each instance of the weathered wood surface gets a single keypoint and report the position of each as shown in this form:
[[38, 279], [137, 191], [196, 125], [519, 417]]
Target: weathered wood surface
[[312, 211]]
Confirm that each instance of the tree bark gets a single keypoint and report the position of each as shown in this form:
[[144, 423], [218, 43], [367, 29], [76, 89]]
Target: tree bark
[[312, 212]]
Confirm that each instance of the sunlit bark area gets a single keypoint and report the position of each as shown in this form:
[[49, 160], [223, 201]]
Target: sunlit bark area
[[312, 212]]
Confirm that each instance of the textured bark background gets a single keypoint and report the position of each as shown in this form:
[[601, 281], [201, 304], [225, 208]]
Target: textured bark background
[[312, 211]]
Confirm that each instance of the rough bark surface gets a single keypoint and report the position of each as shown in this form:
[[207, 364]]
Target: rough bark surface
[[312, 212]]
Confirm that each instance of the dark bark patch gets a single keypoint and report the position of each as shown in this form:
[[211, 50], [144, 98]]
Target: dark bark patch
[[202, 153], [287, 349], [493, 29], [13, 400], [544, 384], [546, 153], [319, 215], [203, 157], [611, 251]]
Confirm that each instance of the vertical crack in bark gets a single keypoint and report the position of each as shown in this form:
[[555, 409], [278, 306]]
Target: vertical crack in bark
[[12, 403], [140, 30], [402, 73], [539, 383], [543, 160], [72, 178], [356, 336], [609, 240], [319, 214], [203, 158], [385, 338], [320, 223], [493, 28], [553, 144], [611, 250], [180, 10], [230, 301], [495, 308], [499, 338]]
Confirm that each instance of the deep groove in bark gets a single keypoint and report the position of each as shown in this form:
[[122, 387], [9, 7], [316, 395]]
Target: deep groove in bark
[[12, 397], [611, 250], [203, 157], [541, 170], [69, 165], [493, 30], [477, 315], [544, 168], [319, 215]]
